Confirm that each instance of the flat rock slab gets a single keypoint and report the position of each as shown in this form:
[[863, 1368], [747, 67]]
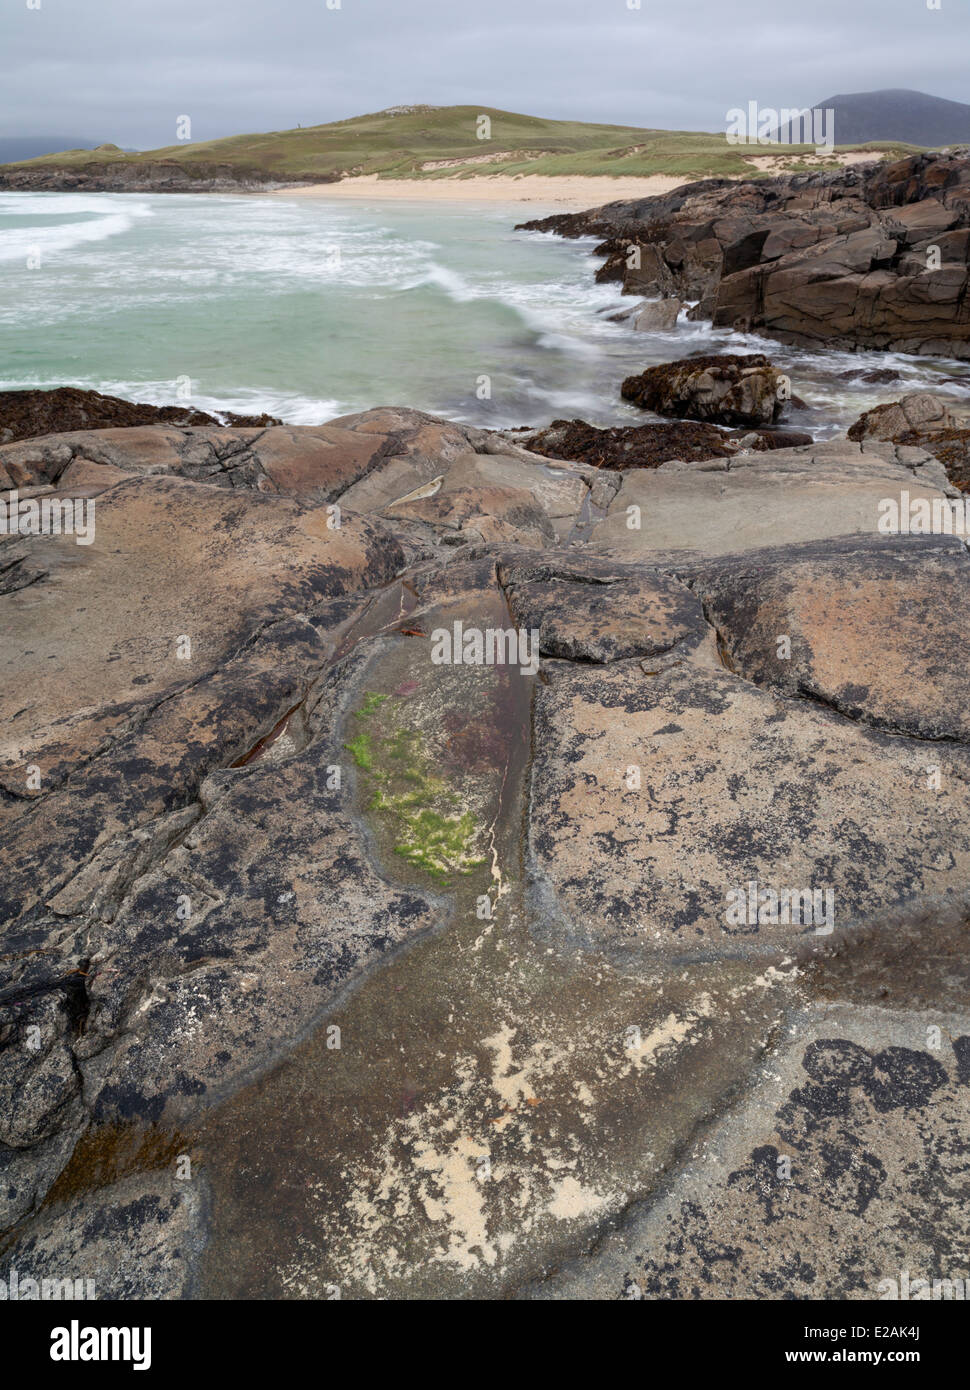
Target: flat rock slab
[[174, 567], [846, 1175], [723, 506], [735, 786], [471, 509], [588, 609], [877, 628], [524, 493]]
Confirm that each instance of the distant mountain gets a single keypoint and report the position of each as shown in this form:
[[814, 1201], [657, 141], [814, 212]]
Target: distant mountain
[[14, 147], [897, 114]]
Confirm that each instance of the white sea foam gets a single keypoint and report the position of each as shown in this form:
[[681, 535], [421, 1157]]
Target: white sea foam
[[95, 219], [305, 310]]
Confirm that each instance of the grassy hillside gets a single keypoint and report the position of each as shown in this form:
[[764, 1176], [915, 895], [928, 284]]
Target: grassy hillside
[[441, 142]]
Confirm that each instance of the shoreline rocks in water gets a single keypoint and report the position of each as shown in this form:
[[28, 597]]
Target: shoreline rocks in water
[[921, 421], [160, 176], [874, 256], [920, 413], [726, 389]]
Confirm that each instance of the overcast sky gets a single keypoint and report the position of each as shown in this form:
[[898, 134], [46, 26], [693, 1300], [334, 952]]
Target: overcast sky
[[125, 70]]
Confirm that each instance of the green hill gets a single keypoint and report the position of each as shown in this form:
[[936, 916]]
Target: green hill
[[426, 142]]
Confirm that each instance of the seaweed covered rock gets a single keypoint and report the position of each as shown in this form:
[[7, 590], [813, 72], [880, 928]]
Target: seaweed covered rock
[[619, 447], [27, 414], [730, 389]]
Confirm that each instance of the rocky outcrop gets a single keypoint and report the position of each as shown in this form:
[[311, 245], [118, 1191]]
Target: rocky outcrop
[[872, 256], [445, 478], [726, 389], [919, 414], [381, 803], [921, 421], [26, 414], [140, 176]]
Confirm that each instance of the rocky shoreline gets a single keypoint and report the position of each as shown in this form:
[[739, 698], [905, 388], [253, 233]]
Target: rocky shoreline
[[874, 256], [164, 176], [630, 963]]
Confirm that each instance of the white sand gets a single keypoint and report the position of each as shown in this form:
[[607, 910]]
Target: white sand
[[568, 193]]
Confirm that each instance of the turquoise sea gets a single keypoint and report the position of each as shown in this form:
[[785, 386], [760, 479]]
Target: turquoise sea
[[313, 307]]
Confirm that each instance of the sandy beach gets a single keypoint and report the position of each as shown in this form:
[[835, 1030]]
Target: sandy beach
[[569, 193]]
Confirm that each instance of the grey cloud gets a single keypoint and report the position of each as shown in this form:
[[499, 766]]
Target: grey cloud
[[124, 70]]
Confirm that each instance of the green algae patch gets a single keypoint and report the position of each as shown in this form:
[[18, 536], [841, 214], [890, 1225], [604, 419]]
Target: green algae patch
[[428, 827], [362, 751], [372, 702]]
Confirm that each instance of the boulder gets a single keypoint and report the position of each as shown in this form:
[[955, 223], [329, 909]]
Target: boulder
[[921, 413], [728, 389], [658, 315], [921, 421]]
